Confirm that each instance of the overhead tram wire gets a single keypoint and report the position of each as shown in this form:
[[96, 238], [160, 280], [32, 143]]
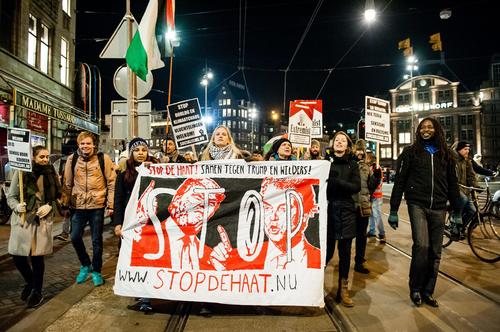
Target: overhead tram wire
[[304, 34], [244, 48], [345, 54]]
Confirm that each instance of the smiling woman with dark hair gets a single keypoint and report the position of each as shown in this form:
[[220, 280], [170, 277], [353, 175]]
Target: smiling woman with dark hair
[[426, 174]]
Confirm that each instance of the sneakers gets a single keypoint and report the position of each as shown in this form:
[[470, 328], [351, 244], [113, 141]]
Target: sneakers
[[84, 273], [97, 279], [63, 237], [26, 292], [361, 268], [381, 238], [34, 300]]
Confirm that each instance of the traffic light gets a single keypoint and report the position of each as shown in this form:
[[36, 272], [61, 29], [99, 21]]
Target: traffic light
[[405, 45], [435, 41], [361, 129]]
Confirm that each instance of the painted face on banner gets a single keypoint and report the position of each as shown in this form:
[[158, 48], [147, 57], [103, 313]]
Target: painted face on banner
[[187, 208], [275, 215]]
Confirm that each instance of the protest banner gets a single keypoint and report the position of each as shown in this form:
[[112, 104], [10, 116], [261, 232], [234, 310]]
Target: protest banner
[[377, 120], [19, 149], [187, 123], [227, 232]]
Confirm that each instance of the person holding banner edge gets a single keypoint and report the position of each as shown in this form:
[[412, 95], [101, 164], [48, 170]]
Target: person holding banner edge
[[343, 182], [125, 181], [33, 238]]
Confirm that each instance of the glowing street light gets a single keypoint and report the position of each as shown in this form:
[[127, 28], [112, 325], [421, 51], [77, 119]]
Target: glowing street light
[[370, 12], [207, 76]]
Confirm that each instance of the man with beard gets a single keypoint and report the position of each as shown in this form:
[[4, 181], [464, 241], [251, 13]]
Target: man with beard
[[314, 152]]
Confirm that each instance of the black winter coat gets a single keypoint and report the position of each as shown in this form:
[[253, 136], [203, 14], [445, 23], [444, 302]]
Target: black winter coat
[[427, 180], [343, 182], [122, 196]]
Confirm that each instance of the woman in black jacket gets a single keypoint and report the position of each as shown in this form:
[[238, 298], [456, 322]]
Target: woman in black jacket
[[125, 181], [343, 182], [426, 174]]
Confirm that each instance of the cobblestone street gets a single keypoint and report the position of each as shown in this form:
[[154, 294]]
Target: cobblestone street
[[61, 269]]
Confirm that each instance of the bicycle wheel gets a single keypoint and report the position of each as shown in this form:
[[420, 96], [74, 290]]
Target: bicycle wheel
[[483, 242], [447, 235]]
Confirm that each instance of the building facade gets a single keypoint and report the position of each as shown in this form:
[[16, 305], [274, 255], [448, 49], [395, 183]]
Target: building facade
[[37, 72], [465, 116]]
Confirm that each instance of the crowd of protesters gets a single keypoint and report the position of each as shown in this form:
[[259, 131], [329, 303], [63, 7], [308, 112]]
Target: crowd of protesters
[[94, 187]]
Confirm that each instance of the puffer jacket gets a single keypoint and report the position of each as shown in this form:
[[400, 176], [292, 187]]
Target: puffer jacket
[[368, 184], [89, 189], [343, 182]]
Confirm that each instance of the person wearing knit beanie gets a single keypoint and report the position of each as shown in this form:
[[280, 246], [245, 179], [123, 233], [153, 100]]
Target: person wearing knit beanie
[[461, 145], [284, 154], [314, 151], [136, 142]]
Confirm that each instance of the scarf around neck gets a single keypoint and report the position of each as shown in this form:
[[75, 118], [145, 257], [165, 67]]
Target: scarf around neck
[[220, 153]]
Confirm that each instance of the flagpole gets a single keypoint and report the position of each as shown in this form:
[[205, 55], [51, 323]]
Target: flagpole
[[169, 86], [132, 82]]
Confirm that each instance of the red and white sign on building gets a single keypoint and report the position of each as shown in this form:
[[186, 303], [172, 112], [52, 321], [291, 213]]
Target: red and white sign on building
[[300, 123]]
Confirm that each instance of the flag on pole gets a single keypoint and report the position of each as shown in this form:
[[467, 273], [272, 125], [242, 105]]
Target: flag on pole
[[143, 54], [165, 28]]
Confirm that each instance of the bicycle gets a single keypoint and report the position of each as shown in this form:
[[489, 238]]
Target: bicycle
[[483, 228]]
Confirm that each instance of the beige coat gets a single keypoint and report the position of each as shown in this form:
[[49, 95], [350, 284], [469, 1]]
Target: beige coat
[[32, 238], [89, 189]]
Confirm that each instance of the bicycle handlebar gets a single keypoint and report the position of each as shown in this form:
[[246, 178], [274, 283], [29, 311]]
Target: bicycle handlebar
[[478, 189]]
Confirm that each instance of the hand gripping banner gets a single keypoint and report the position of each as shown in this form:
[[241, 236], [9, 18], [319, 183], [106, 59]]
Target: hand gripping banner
[[227, 232]]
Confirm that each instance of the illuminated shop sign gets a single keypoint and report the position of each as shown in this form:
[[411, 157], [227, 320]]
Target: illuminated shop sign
[[40, 107], [424, 107]]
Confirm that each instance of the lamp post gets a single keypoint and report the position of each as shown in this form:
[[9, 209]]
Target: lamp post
[[207, 76], [253, 114], [410, 67], [275, 117]]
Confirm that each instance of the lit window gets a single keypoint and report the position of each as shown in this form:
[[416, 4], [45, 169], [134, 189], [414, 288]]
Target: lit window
[[64, 62], [220, 102], [44, 49], [224, 112], [32, 40], [228, 101], [404, 138], [66, 4]]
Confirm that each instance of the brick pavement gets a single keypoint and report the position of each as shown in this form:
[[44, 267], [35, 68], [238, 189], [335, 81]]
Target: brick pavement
[[61, 269]]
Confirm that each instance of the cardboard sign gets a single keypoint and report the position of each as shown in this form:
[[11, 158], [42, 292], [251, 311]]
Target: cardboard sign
[[19, 149], [300, 124], [187, 123], [227, 232], [377, 120]]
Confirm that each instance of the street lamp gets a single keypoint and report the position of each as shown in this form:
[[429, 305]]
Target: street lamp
[[411, 65], [370, 12], [253, 115], [207, 76]]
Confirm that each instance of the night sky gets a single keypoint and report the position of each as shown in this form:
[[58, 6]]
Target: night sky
[[209, 32]]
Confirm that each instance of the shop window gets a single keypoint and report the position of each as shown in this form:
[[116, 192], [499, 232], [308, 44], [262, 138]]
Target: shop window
[[64, 62]]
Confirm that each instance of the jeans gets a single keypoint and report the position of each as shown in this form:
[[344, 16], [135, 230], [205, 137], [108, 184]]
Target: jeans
[[376, 217], [79, 219], [32, 275], [361, 225], [427, 228], [468, 209]]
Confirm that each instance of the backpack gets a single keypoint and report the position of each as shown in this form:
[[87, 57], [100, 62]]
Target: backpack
[[100, 156]]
